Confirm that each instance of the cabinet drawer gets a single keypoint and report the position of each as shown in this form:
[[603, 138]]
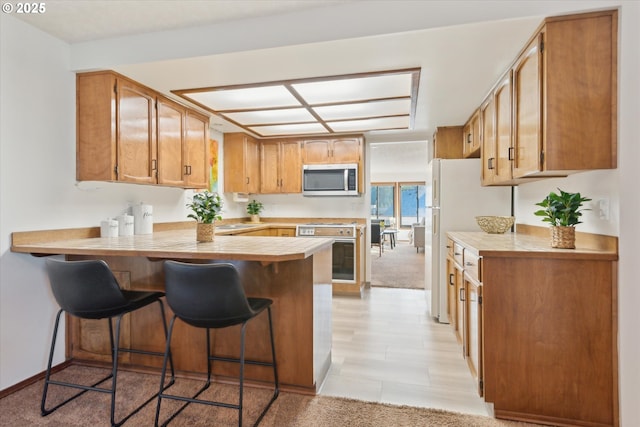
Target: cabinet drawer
[[457, 253], [472, 263], [450, 247]]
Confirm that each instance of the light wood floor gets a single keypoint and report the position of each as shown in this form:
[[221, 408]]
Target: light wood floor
[[386, 348]]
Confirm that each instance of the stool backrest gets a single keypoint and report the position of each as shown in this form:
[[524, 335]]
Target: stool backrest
[[206, 295], [85, 289], [375, 232]]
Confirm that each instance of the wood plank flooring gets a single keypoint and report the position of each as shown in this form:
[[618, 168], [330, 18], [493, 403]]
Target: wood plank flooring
[[387, 348]]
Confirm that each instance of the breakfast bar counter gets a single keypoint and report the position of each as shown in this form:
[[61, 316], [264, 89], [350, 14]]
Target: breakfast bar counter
[[294, 272]]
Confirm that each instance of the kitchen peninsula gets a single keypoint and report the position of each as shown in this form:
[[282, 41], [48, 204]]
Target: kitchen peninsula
[[294, 273]]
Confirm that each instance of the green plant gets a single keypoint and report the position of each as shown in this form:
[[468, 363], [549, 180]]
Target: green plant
[[254, 207], [206, 207], [562, 209]]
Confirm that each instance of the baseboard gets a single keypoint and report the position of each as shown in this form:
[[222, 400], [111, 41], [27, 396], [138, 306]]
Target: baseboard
[[34, 379]]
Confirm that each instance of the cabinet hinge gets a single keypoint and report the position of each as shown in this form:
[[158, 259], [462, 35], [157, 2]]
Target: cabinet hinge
[[115, 170], [541, 158], [480, 299], [115, 87], [541, 46], [481, 384]]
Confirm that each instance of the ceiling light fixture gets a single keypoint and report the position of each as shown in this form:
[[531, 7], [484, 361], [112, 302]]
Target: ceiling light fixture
[[323, 105]]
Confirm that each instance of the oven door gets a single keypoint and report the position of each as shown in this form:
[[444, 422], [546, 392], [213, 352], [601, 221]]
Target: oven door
[[344, 261]]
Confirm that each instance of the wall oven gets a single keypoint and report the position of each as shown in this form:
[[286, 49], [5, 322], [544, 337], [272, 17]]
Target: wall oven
[[344, 247]]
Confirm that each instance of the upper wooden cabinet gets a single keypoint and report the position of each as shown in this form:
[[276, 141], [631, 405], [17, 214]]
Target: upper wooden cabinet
[[447, 142], [497, 150], [241, 163], [281, 167], [127, 132], [338, 150], [471, 136], [555, 111]]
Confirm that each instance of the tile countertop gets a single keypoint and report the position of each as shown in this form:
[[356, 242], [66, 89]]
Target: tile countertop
[[178, 244], [527, 245]]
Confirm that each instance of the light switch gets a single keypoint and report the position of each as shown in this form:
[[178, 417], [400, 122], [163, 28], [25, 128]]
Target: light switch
[[603, 209]]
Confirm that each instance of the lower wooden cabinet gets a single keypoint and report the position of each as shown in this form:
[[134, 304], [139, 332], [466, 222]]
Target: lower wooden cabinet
[[540, 327]]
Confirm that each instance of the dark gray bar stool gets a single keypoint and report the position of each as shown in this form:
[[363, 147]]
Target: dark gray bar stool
[[211, 296], [88, 290]]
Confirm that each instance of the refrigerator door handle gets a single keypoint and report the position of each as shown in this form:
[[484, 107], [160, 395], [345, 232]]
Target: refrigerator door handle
[[433, 207]]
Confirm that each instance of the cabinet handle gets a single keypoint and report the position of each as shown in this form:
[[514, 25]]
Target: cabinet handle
[[469, 138], [462, 294], [451, 279], [186, 170], [154, 164], [469, 264], [189, 169], [247, 180], [511, 151], [490, 163], [457, 253]]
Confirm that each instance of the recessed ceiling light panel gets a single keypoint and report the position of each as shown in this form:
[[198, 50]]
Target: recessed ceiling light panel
[[293, 129], [263, 117], [358, 89], [401, 122], [245, 99], [364, 109]]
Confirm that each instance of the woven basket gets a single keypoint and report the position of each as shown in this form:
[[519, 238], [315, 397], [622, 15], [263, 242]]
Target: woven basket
[[563, 237], [495, 224], [205, 232]]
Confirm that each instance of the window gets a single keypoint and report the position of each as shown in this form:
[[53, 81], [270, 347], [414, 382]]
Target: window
[[403, 200], [383, 201], [412, 204]]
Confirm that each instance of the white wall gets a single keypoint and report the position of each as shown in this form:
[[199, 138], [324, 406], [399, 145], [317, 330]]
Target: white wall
[[38, 190], [37, 142]]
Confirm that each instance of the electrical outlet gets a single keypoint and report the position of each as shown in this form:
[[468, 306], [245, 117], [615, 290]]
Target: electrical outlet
[[603, 209]]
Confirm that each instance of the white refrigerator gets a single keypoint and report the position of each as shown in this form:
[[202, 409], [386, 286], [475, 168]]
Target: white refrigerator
[[454, 197]]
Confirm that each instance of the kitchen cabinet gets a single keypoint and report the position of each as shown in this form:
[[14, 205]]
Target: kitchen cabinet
[[565, 97], [336, 150], [488, 140], [497, 149], [119, 126], [471, 136], [472, 332], [241, 163], [541, 325], [447, 142], [182, 146], [281, 167], [454, 289]]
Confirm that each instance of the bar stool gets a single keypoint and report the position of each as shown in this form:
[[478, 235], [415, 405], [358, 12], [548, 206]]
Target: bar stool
[[88, 290], [211, 296]]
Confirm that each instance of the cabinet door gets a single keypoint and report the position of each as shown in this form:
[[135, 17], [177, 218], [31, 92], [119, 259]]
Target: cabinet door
[[316, 151], [196, 144], [346, 150], [137, 161], [473, 329], [460, 308], [269, 165], [488, 138], [503, 150], [527, 87], [290, 167], [170, 142], [241, 163], [252, 165]]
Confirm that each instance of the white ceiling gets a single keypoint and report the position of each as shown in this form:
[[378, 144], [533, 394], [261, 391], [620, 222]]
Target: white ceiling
[[462, 47]]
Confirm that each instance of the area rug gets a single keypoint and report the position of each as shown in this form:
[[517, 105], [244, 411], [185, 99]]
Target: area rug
[[22, 408], [400, 267]]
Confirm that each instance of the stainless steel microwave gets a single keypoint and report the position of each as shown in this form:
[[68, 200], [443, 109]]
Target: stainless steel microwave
[[330, 180]]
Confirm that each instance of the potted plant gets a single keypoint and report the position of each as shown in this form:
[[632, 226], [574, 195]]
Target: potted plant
[[563, 212], [206, 207], [253, 209]]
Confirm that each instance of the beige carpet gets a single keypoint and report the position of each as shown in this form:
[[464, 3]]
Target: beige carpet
[[401, 267], [289, 410]]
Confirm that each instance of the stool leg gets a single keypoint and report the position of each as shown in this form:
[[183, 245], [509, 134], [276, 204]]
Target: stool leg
[[114, 378], [242, 335], [167, 353], [44, 411]]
